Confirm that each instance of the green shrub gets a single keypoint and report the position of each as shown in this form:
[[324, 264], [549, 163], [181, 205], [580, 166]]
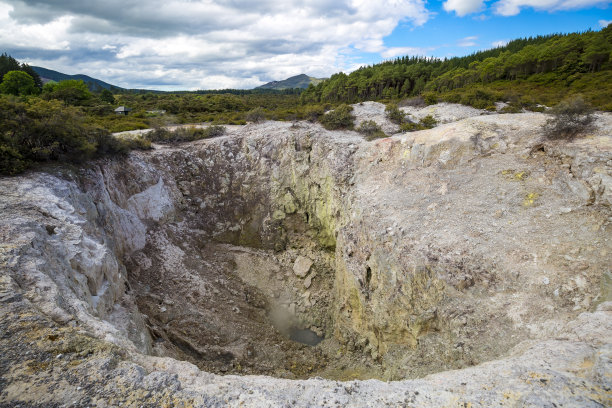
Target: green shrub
[[71, 91], [570, 118], [184, 134], [410, 126], [110, 144], [339, 118], [11, 161], [370, 130], [18, 83], [107, 96], [512, 108], [256, 115], [38, 131], [430, 98], [480, 98], [312, 113], [214, 131], [395, 115], [453, 97], [428, 122]]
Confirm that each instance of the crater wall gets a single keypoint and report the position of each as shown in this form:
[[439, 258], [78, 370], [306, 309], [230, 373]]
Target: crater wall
[[410, 255]]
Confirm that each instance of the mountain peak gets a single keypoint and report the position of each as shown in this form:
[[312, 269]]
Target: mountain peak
[[297, 81]]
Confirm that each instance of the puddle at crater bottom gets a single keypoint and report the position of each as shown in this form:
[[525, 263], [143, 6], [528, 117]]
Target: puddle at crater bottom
[[304, 336]]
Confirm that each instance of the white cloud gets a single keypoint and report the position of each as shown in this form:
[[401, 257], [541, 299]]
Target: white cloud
[[467, 41], [402, 51], [513, 7], [183, 44], [47, 36], [499, 43], [463, 7], [604, 23]]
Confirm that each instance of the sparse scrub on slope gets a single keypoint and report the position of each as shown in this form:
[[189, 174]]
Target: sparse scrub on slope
[[256, 115], [371, 130], [339, 118], [37, 131], [185, 134], [570, 118], [428, 122], [395, 115]]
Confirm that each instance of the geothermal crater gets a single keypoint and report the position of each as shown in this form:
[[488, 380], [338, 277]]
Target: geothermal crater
[[290, 252]]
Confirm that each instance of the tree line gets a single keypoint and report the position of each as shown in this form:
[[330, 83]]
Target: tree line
[[565, 57]]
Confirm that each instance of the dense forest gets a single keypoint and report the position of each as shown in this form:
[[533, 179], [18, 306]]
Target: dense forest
[[531, 70]]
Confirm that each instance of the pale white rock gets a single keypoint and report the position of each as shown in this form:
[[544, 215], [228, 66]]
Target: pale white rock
[[154, 203], [308, 280], [302, 266], [606, 183]]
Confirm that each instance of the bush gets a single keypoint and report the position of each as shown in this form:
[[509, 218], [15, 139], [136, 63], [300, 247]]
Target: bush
[[107, 96], [184, 134], [428, 122], [512, 107], [394, 114], [570, 117], [71, 91], [11, 162], [480, 98], [110, 144], [214, 131], [256, 115], [339, 118], [410, 126], [312, 113], [39, 131], [18, 83], [430, 98], [370, 130]]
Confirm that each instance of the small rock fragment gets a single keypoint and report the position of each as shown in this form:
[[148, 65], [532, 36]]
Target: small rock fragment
[[308, 280], [302, 265]]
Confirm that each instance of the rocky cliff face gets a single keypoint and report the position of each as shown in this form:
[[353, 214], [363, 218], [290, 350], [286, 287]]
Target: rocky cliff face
[[139, 280]]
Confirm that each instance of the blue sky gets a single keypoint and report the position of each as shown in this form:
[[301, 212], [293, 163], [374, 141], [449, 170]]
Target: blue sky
[[216, 44]]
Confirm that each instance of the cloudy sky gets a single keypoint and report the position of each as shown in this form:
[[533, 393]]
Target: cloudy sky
[[214, 44]]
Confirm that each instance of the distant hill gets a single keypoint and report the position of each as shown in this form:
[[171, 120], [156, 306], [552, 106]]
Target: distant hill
[[94, 84], [298, 81]]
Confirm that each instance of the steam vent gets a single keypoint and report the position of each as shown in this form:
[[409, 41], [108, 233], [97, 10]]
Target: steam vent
[[284, 265]]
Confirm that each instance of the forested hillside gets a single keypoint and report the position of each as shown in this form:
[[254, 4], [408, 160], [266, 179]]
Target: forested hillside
[[531, 70], [93, 84]]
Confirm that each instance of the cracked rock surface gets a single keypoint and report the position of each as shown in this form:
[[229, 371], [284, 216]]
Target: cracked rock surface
[[465, 265]]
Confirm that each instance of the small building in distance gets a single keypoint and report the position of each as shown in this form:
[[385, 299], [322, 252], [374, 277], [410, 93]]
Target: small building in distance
[[122, 110]]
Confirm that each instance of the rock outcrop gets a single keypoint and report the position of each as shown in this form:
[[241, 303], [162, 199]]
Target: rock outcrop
[[476, 245]]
